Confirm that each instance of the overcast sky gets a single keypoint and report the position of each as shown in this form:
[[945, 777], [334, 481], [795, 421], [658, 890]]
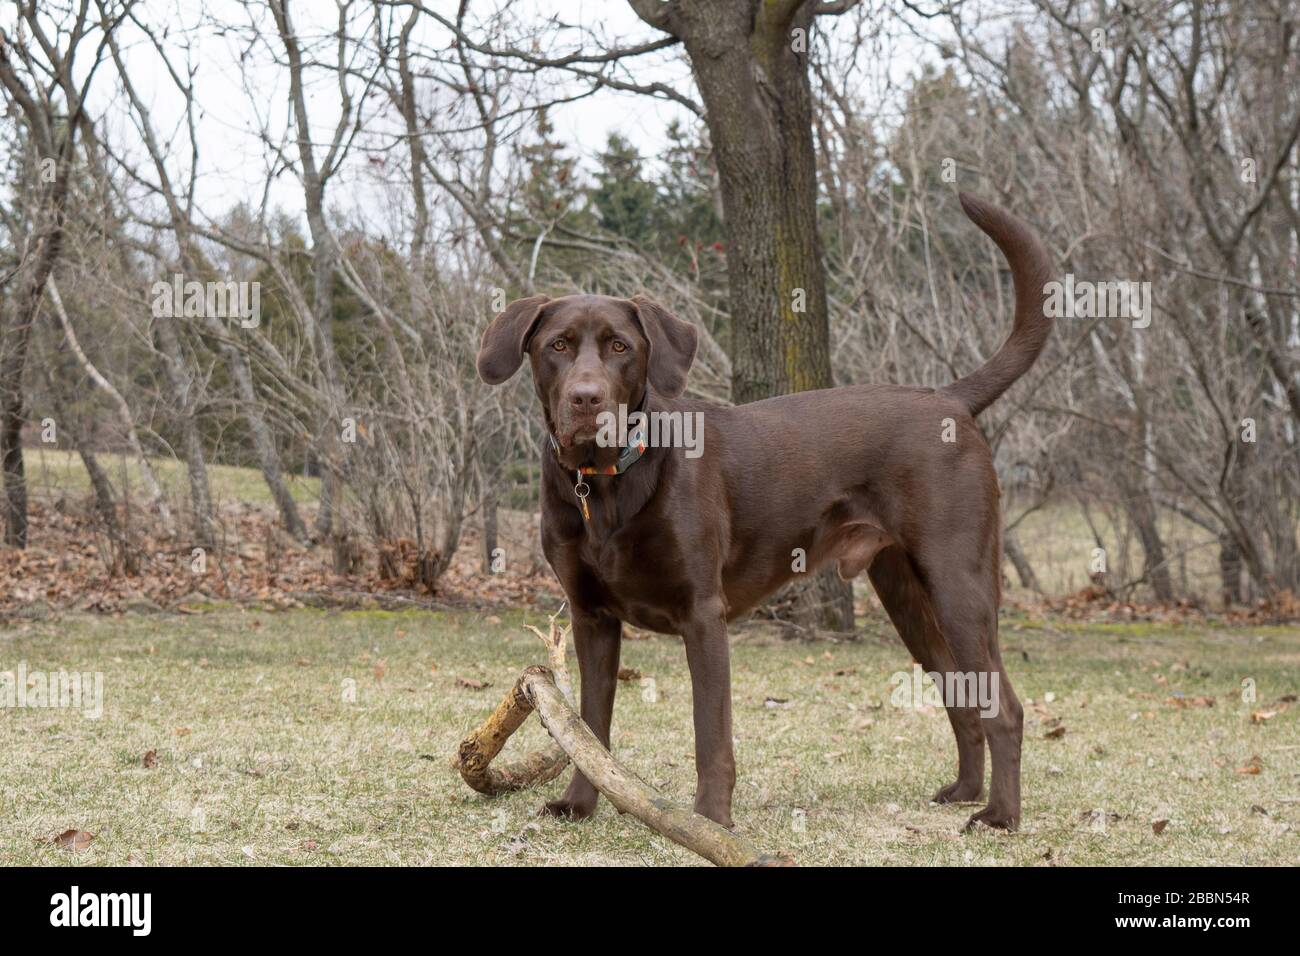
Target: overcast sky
[[239, 91]]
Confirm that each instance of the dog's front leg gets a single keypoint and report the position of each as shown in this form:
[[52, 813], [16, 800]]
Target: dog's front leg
[[597, 639], [709, 658]]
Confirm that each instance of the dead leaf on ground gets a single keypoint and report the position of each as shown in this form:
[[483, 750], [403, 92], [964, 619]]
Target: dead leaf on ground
[[1158, 826], [1252, 766], [1263, 716], [150, 759], [74, 839], [629, 673], [1055, 734], [381, 668], [472, 684], [1181, 702]]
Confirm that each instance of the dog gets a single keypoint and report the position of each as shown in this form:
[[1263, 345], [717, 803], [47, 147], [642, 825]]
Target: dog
[[891, 480]]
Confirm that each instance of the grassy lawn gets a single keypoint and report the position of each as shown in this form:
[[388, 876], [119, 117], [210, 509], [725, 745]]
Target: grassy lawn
[[51, 472], [261, 759]]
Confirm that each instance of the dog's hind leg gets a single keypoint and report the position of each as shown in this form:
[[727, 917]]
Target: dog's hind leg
[[964, 597], [908, 606]]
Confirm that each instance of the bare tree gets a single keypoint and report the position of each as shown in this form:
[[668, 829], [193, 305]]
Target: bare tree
[[38, 75]]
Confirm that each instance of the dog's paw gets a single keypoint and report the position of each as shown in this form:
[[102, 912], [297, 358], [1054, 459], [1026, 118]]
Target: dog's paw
[[568, 809], [959, 792], [719, 814], [994, 818]]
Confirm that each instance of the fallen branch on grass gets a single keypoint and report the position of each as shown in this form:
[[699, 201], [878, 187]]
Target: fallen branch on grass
[[545, 690], [476, 752]]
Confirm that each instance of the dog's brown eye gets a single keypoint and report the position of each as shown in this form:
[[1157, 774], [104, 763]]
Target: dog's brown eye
[[618, 346], [559, 345]]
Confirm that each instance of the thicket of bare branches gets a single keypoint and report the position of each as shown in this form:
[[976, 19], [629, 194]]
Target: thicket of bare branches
[[1151, 142]]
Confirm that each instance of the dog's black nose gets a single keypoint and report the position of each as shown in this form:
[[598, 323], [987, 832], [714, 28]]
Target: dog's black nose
[[587, 395]]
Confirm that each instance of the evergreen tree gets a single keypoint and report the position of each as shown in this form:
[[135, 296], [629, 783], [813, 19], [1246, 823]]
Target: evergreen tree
[[625, 201]]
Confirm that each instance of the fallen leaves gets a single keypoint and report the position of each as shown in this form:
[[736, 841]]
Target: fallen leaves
[[1181, 702], [1253, 766], [471, 683], [150, 759], [74, 840], [1158, 826], [1096, 603], [68, 571], [628, 673]]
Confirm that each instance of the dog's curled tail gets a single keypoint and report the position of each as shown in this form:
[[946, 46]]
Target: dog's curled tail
[[1031, 271]]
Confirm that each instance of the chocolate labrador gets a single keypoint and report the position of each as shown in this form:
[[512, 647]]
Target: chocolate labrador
[[894, 481]]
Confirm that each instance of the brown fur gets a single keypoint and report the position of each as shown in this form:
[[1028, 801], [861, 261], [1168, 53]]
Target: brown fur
[[856, 475]]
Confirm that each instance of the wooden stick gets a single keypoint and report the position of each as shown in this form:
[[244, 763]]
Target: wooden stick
[[476, 752], [536, 689], [628, 792]]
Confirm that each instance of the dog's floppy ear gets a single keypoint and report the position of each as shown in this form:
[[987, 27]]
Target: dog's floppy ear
[[502, 350], [672, 345]]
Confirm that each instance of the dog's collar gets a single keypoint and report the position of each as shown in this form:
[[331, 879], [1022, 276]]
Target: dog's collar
[[629, 456]]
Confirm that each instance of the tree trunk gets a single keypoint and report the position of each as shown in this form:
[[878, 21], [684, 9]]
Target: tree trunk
[[751, 67], [268, 456], [173, 362], [1229, 569], [758, 99], [15, 339], [315, 176], [11, 452], [13, 363], [1016, 555], [489, 529], [1142, 512]]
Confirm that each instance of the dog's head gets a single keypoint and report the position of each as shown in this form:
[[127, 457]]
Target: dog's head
[[589, 354]]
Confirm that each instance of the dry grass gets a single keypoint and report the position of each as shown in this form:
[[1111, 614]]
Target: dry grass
[[261, 760], [52, 472]]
